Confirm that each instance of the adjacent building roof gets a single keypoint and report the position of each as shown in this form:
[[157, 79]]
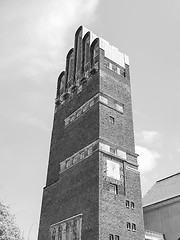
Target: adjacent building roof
[[150, 235], [162, 190]]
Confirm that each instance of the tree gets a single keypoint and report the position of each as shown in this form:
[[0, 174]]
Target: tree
[[8, 227]]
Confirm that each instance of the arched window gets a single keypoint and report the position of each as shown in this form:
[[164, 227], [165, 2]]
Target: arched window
[[70, 67], [95, 53], [61, 84], [78, 50], [70, 70], [86, 52]]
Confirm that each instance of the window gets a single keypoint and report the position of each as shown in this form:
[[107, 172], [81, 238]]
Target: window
[[78, 113], [85, 107], [63, 83], [91, 103], [127, 203], [96, 51], [67, 121], [132, 205], [112, 119], [113, 188], [106, 63], [133, 227], [89, 151], [116, 237], [82, 155], [111, 237], [86, 51], [68, 163], [128, 225], [122, 73], [114, 68], [112, 150], [62, 166], [75, 159]]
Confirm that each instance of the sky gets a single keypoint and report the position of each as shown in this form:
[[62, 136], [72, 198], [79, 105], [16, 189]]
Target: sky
[[35, 38]]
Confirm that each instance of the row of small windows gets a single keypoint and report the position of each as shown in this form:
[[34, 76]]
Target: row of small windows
[[113, 237], [112, 150], [131, 226], [117, 106], [85, 107], [114, 68], [78, 157], [129, 204]]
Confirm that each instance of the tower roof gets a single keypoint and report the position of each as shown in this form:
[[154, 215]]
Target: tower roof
[[162, 190], [110, 51]]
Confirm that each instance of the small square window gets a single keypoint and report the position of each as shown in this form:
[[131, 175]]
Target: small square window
[[133, 227], [89, 151], [82, 155], [132, 205], [111, 237], [122, 73], [106, 63], [112, 150], [127, 203], [68, 163], [116, 237], [113, 188], [112, 120], [128, 225], [114, 68]]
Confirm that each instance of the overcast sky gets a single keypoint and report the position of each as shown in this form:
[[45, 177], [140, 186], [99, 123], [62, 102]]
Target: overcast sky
[[35, 37]]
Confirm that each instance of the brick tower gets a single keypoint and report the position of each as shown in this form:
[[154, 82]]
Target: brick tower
[[93, 183]]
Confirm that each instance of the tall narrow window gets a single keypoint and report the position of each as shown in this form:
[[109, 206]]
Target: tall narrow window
[[70, 67], [132, 205], [78, 46], [127, 203], [70, 70], [86, 52], [63, 83], [95, 53], [111, 237], [133, 227], [116, 237], [111, 119], [128, 225]]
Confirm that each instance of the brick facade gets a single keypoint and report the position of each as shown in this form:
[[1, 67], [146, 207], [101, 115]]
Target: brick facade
[[92, 171]]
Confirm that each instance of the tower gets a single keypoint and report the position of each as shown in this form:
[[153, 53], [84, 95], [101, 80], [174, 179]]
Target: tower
[[93, 189]]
